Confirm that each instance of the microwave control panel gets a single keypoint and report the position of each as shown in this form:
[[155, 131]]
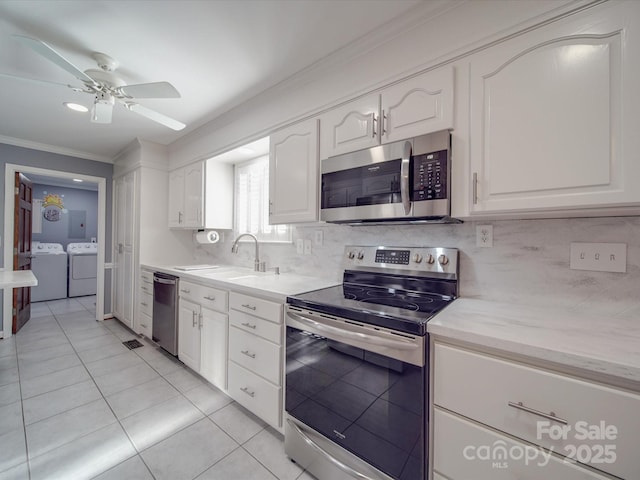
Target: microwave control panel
[[430, 176]]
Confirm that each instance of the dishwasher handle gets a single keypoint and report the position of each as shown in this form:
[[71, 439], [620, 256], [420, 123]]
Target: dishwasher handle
[[165, 281]]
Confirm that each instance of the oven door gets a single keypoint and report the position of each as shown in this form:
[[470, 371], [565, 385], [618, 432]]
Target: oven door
[[356, 399]]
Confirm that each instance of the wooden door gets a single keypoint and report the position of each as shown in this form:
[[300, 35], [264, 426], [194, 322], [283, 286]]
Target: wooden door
[[22, 249]]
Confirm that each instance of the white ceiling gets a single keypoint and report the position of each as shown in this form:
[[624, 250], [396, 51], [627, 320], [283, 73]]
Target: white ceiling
[[217, 53]]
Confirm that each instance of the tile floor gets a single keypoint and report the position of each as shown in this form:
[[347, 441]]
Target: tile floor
[[75, 403]]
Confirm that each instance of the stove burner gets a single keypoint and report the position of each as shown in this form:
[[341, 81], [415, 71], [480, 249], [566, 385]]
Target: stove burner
[[380, 294], [392, 302]]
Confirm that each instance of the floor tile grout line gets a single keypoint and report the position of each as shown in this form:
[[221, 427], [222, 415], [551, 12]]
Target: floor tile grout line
[[24, 425], [117, 420]]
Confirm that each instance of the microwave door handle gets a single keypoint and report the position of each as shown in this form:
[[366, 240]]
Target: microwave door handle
[[404, 178]]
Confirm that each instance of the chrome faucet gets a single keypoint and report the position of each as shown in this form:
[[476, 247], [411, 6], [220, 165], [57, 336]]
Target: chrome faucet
[[258, 265]]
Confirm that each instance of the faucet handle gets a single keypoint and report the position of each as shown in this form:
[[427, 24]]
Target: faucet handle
[[261, 266]]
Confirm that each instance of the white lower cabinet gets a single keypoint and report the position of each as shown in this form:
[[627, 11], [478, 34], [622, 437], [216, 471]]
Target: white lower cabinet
[[465, 450], [203, 331], [255, 356], [144, 319], [576, 418]]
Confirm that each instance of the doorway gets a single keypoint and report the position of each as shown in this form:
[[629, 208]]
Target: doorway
[[60, 177]]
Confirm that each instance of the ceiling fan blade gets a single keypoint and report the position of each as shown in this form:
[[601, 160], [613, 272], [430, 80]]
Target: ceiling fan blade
[[50, 54], [155, 116], [150, 90], [34, 80]]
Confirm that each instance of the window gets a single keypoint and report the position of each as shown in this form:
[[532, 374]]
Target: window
[[252, 202]]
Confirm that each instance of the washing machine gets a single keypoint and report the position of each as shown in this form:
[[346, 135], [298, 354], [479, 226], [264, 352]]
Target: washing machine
[[83, 268], [49, 265]]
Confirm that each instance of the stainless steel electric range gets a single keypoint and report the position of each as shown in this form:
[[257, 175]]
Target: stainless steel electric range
[[356, 364]]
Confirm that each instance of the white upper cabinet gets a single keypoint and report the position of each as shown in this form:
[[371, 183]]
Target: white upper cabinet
[[418, 105], [551, 122], [201, 196], [293, 174], [350, 127]]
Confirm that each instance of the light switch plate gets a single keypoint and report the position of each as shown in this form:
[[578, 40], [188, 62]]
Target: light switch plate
[[319, 238], [300, 246], [599, 257], [307, 247]]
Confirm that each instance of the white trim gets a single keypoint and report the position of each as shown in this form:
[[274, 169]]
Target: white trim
[[9, 179]]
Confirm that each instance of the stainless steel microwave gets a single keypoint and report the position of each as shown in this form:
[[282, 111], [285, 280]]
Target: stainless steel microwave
[[402, 182]]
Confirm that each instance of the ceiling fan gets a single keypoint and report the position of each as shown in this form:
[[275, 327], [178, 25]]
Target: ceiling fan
[[106, 86]]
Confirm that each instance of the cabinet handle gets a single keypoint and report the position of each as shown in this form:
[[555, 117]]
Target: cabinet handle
[[193, 318], [143, 325], [248, 392], [373, 125], [475, 188], [248, 325], [209, 297], [383, 127], [250, 307], [550, 415], [185, 290], [144, 288], [200, 321], [179, 217], [144, 304], [248, 353]]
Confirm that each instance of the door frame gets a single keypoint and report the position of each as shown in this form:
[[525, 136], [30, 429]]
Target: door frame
[[9, 187]]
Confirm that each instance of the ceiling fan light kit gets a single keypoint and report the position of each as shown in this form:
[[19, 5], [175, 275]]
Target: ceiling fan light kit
[[107, 87]]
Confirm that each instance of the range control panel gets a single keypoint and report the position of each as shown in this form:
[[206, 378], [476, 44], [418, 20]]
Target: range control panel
[[410, 260]]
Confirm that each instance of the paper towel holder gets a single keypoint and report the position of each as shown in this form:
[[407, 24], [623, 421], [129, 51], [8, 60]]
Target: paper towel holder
[[206, 237]]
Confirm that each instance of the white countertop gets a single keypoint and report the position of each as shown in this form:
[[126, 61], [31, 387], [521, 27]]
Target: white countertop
[[609, 346], [17, 279], [246, 280]]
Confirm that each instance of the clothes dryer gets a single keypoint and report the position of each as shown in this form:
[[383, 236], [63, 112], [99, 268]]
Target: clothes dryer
[[83, 268], [49, 265]]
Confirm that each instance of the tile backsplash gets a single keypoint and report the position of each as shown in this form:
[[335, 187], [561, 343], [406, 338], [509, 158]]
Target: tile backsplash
[[528, 263]]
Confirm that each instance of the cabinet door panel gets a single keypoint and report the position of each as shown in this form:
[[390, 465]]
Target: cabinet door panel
[[351, 127], [550, 128], [194, 195], [293, 174], [176, 198], [213, 359], [189, 334], [420, 105]]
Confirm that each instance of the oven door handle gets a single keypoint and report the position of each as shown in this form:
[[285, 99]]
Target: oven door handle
[[346, 334], [345, 468], [404, 178]]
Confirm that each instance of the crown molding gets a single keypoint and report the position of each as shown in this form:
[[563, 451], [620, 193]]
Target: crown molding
[[43, 147]]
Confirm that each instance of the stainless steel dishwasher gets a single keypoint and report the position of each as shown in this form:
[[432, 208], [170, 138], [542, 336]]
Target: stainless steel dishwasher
[[165, 311]]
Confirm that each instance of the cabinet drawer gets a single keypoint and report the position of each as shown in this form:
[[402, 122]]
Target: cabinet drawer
[[271, 311], [481, 387], [146, 277], [464, 450], [146, 325], [206, 296], [255, 354], [256, 394], [258, 326], [146, 303]]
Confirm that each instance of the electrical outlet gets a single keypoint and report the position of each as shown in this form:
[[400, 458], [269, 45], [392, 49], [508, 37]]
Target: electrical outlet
[[300, 246], [318, 238], [307, 247], [484, 235], [599, 257]]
